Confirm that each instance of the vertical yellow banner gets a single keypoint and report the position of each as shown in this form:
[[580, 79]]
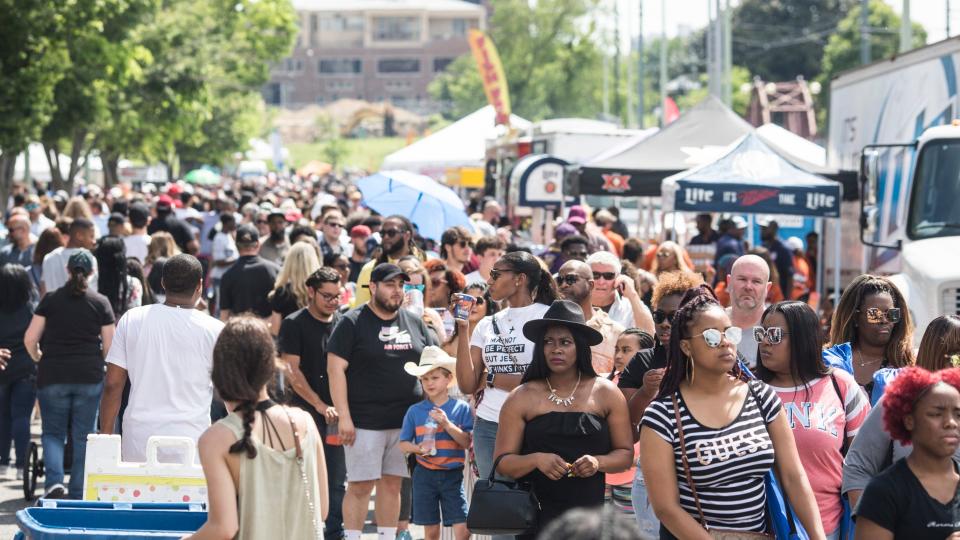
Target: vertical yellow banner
[[491, 73]]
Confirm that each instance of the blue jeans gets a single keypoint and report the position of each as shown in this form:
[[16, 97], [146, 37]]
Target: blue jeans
[[16, 404], [484, 439], [336, 485], [61, 404], [642, 511], [438, 492]]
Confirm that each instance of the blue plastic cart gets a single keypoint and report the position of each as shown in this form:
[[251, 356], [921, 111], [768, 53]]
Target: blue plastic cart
[[89, 520]]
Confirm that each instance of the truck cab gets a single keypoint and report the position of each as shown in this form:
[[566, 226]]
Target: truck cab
[[917, 240]]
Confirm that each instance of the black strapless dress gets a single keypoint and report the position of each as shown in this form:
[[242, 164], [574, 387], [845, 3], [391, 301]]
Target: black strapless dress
[[570, 435]]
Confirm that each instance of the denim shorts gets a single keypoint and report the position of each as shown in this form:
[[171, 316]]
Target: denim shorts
[[438, 492]]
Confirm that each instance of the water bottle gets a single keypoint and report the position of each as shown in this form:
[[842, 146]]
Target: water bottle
[[429, 443]]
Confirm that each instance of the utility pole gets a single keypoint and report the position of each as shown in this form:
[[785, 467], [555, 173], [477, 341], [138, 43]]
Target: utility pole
[[906, 29], [727, 55], [864, 32], [617, 109], [947, 2], [640, 74], [663, 62], [711, 51], [718, 46]]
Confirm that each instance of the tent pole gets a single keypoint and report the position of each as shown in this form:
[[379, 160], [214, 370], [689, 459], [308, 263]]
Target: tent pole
[[821, 289], [836, 260], [750, 228]]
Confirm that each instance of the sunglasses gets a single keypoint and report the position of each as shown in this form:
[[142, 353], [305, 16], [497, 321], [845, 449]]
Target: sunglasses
[[333, 224], [464, 243], [261, 222], [390, 233], [438, 282], [660, 315], [879, 316], [495, 273], [569, 279], [772, 335], [609, 276], [664, 254], [713, 337]]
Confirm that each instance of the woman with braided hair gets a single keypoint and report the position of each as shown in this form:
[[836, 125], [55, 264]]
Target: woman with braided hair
[[264, 462], [727, 431]]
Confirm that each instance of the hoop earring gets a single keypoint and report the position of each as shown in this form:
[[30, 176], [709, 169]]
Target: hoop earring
[[690, 373]]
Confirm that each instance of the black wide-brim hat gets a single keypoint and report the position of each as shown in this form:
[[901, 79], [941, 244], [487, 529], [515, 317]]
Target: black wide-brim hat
[[564, 313]]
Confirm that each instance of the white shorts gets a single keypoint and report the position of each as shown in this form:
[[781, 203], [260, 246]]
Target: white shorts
[[375, 453]]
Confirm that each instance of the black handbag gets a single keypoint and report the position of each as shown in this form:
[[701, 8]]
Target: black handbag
[[502, 507]]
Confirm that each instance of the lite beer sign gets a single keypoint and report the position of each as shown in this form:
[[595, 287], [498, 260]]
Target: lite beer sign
[[766, 199]]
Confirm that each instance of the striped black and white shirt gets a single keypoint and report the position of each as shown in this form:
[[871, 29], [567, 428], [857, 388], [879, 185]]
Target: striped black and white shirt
[[727, 464]]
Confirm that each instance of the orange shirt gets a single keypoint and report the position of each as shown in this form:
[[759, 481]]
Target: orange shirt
[[801, 277], [616, 240]]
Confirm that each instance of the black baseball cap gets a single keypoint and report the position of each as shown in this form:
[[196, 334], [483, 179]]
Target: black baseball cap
[[387, 271], [247, 234]]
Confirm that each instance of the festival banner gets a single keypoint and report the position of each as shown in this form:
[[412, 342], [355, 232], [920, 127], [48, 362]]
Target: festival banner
[[491, 73]]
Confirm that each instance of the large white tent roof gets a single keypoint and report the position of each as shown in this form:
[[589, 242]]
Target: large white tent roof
[[461, 144]]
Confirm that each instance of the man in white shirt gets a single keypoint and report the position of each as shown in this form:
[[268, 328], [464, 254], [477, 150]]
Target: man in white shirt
[[82, 235], [617, 294], [489, 249], [748, 283], [138, 241], [167, 352]]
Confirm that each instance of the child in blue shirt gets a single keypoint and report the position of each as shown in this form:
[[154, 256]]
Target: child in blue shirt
[[438, 476]]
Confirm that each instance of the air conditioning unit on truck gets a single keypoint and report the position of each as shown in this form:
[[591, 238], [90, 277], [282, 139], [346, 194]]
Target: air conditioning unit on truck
[[894, 120]]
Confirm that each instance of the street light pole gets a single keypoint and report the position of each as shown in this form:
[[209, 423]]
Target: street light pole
[[906, 29], [727, 55], [864, 32], [640, 74], [663, 62]]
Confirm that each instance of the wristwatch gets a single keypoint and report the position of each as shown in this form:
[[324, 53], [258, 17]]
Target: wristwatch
[[490, 377]]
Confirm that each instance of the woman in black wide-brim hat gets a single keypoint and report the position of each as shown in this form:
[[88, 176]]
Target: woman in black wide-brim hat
[[564, 427]]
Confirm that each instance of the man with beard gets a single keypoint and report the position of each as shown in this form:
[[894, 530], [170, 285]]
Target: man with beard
[[276, 246], [576, 284], [396, 242], [371, 392], [748, 283]]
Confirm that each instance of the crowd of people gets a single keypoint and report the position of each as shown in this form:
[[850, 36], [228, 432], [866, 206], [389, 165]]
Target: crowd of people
[[321, 353]]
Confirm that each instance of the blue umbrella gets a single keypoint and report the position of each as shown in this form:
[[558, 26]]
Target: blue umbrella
[[431, 206]]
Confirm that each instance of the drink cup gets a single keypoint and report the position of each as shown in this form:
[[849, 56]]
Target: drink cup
[[462, 306]]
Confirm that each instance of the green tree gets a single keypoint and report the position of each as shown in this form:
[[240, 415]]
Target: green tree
[[842, 51], [32, 58], [778, 40], [550, 59]]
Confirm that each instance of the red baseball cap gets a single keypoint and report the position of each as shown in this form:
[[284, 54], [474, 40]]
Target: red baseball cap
[[164, 202], [360, 231]]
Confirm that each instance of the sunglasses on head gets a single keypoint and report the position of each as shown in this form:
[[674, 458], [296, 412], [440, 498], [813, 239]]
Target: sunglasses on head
[[390, 233], [772, 335], [660, 315], [713, 337], [879, 316], [609, 276], [569, 279]]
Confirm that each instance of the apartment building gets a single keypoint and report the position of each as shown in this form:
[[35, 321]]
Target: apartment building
[[374, 50]]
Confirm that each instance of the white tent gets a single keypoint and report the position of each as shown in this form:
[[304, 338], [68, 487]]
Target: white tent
[[461, 144]]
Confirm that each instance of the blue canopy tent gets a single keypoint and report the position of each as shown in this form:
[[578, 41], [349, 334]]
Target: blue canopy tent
[[750, 177]]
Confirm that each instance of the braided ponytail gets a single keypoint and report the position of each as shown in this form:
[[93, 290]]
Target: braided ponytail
[[695, 301], [247, 408]]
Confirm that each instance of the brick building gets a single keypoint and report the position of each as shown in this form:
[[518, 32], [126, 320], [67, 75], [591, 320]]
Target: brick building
[[374, 50]]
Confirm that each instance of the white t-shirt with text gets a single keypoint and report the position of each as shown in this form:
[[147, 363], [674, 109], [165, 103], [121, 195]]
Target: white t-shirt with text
[[509, 352]]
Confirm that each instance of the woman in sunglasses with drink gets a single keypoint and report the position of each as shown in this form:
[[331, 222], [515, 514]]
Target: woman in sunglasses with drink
[[497, 354], [871, 335], [482, 307], [824, 406], [712, 434]]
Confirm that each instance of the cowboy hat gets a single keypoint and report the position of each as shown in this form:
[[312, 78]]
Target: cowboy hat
[[563, 313], [432, 358]]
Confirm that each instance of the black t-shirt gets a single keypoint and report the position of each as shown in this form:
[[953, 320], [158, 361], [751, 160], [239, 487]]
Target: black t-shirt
[[245, 286], [284, 301], [640, 364], [181, 232], [355, 268], [13, 324], [379, 391], [896, 500], [301, 334], [72, 351]]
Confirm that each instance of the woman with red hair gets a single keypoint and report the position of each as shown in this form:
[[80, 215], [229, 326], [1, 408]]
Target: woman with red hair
[[917, 497]]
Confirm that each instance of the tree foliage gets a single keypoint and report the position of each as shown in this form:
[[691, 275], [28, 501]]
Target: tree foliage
[[550, 58]]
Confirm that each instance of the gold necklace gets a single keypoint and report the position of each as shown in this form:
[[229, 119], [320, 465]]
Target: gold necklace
[[567, 401], [865, 364]]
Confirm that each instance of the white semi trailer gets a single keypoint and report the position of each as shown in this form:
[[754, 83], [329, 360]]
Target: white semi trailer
[[894, 121]]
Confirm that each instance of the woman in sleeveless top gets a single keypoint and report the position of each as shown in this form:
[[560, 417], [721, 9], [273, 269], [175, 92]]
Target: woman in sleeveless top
[[564, 427], [264, 462]]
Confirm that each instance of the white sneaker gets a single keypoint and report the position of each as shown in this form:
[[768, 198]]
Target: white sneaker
[[56, 491], [19, 474]]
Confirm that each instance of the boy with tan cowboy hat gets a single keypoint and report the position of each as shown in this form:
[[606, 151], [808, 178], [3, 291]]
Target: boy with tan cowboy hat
[[437, 430]]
